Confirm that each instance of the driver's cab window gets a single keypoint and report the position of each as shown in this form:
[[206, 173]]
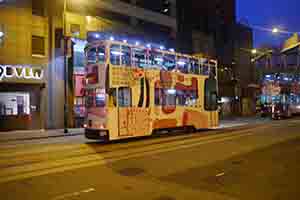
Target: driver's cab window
[[124, 97], [112, 97]]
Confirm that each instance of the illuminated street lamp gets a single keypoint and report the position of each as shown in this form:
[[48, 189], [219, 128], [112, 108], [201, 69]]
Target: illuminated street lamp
[[275, 30], [254, 51]]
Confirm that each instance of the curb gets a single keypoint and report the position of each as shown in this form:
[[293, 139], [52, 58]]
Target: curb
[[41, 137]]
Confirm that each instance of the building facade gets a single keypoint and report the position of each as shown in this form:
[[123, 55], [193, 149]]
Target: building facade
[[34, 32], [23, 66]]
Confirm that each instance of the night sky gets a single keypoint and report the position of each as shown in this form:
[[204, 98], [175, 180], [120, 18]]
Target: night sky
[[284, 14]]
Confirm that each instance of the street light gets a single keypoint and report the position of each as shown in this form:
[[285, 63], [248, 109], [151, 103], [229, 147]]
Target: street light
[[275, 30], [66, 71], [254, 51]]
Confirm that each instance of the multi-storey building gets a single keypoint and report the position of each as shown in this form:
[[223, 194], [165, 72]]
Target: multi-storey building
[[31, 33]]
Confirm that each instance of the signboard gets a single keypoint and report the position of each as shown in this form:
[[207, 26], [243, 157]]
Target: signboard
[[271, 89], [21, 73]]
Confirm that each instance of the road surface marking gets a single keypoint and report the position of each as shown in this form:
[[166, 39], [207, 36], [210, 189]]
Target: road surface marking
[[220, 174], [73, 194]]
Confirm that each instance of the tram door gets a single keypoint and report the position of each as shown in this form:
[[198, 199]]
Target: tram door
[[124, 105]]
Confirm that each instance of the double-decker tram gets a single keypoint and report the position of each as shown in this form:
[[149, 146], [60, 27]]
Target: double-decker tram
[[134, 90]]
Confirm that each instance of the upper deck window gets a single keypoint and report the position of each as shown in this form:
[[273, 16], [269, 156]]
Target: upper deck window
[[139, 57], [156, 59], [101, 54], [126, 56], [195, 67], [92, 55], [115, 54], [169, 62], [183, 64]]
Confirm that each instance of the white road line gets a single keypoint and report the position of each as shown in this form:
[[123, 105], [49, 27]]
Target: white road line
[[73, 194]]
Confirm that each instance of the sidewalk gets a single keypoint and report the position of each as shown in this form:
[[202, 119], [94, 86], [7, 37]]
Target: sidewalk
[[37, 134]]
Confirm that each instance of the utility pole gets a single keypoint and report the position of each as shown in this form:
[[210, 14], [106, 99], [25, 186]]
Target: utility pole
[[66, 75]]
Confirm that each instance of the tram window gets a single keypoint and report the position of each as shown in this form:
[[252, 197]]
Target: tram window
[[183, 64], [139, 58], [157, 96], [126, 56], [169, 62], [124, 97], [156, 59], [211, 97], [115, 55], [212, 70], [169, 97], [100, 98], [186, 97], [89, 99], [195, 67], [205, 70], [101, 55], [91, 55]]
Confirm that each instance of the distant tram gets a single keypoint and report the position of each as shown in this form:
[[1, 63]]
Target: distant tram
[[133, 90]]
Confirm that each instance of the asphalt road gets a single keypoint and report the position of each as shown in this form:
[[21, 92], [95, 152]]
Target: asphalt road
[[254, 162]]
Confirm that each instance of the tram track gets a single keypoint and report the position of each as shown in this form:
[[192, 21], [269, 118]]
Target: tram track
[[101, 156], [30, 157]]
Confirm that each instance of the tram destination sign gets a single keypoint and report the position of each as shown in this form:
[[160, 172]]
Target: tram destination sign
[[21, 73]]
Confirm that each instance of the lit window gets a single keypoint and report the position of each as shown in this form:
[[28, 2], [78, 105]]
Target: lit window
[[14, 104], [156, 59], [38, 45], [139, 57], [169, 62], [126, 56], [115, 54]]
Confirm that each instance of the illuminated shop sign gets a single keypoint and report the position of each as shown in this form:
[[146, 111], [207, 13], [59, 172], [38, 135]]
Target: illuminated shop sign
[[21, 72]]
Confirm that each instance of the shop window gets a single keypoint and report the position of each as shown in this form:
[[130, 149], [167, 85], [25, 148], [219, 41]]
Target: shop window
[[38, 45], [14, 104], [139, 58], [169, 62], [126, 56], [124, 97]]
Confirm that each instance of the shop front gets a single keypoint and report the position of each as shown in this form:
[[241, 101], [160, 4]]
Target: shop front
[[21, 97]]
